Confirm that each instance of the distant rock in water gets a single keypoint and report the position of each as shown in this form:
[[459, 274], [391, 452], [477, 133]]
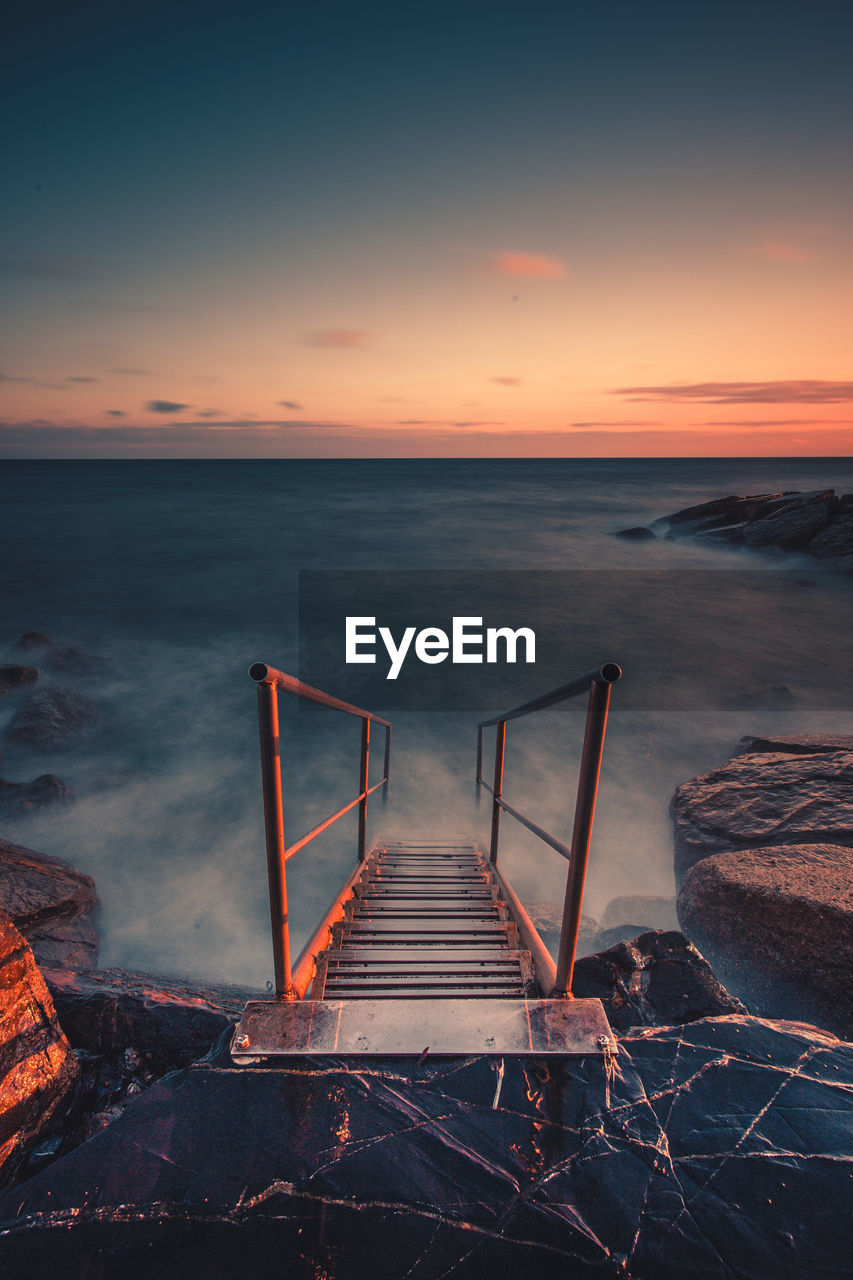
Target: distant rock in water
[[37, 1067], [53, 719], [720, 1148], [29, 645], [637, 532], [52, 904], [655, 912], [658, 979], [21, 799], [14, 677], [820, 521]]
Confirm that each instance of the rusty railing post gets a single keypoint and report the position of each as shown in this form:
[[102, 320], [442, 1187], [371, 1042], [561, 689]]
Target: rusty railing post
[[386, 768], [274, 824], [593, 746], [500, 745], [364, 770]]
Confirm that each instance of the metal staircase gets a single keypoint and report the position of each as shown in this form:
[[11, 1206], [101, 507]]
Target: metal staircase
[[425, 920], [426, 948]]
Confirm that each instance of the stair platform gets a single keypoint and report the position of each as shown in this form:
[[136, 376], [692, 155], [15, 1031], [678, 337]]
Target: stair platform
[[407, 1028]]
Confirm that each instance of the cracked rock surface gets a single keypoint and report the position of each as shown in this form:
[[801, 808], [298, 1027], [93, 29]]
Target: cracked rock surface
[[717, 1149]]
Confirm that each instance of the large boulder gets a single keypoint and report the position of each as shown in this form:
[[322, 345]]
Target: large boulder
[[761, 798], [658, 979], [38, 1069], [53, 719], [776, 922], [654, 911], [167, 1022], [52, 904], [715, 1149], [836, 539]]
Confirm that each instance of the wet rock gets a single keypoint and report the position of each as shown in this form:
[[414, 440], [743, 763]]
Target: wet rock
[[657, 979], [68, 660], [30, 645], [655, 912], [52, 904], [764, 798], [37, 1067], [796, 744], [638, 533], [547, 919], [20, 799], [776, 922], [794, 524], [162, 1022], [53, 719], [14, 677], [716, 1149], [836, 539], [718, 513]]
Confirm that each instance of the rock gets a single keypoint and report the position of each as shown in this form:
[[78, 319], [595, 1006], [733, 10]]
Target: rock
[[715, 1149], [67, 660], [14, 677], [37, 1067], [638, 533], [657, 913], [764, 798], [792, 525], [52, 904], [20, 799], [836, 539], [53, 719], [165, 1022], [29, 645], [776, 922], [547, 919], [797, 744], [775, 696], [717, 513], [657, 979]]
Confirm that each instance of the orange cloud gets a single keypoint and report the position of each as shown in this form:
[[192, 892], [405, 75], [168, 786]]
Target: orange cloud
[[337, 338], [507, 382], [528, 264], [782, 251]]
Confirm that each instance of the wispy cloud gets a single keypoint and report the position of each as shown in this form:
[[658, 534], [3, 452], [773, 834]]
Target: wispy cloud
[[210, 413], [11, 377], [132, 373], [337, 338], [511, 263], [165, 406], [115, 413], [783, 251], [81, 378], [507, 381], [796, 391], [289, 404], [51, 266]]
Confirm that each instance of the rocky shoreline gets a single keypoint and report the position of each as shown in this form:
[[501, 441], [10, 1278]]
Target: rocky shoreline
[[819, 522]]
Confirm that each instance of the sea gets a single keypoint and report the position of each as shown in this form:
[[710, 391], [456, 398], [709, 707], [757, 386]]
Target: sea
[[180, 574]]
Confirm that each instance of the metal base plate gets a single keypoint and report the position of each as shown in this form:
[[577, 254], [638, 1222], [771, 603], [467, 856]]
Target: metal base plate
[[271, 1029]]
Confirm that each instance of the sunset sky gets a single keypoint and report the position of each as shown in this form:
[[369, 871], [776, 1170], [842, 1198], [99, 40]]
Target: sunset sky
[[403, 229]]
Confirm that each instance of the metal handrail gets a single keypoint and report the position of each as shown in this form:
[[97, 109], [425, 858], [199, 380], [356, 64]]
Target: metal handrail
[[269, 681], [598, 682]]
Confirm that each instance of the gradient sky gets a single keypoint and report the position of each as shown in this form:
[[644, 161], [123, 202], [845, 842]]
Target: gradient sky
[[402, 229]]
